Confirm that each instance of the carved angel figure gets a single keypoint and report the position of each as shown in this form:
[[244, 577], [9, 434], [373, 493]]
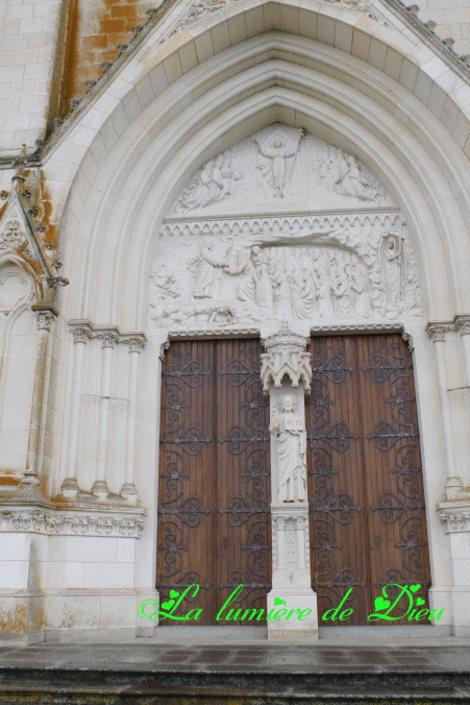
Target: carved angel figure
[[212, 184], [291, 450]]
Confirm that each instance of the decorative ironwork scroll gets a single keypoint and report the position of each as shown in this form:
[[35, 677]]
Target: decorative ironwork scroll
[[332, 510], [245, 514], [400, 502], [214, 491], [184, 516], [366, 491]]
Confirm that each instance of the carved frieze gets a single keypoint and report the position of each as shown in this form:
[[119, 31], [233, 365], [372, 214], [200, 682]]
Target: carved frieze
[[455, 516], [129, 524]]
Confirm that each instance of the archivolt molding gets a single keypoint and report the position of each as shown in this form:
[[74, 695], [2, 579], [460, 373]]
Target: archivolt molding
[[126, 219]]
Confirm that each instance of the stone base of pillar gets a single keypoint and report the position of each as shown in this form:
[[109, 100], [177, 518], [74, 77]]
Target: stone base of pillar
[[69, 488], [302, 624], [101, 490], [129, 492]]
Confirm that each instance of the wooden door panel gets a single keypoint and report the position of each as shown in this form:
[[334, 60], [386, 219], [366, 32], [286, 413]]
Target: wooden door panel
[[244, 519], [338, 531], [187, 489], [397, 525], [365, 483], [214, 485]]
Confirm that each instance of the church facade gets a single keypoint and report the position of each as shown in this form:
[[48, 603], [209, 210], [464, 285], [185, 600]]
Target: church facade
[[234, 317]]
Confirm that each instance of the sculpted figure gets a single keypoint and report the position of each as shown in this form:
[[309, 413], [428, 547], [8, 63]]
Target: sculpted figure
[[291, 450], [359, 286], [392, 265], [306, 296], [264, 287], [212, 267], [339, 288], [273, 164], [239, 282], [283, 304], [212, 184]]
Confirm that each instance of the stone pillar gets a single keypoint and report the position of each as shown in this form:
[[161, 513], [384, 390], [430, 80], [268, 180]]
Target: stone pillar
[[44, 320], [81, 334], [455, 516], [286, 375], [136, 345], [100, 486], [437, 331]]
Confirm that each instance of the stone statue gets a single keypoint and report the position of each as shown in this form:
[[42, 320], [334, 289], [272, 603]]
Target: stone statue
[[291, 450], [264, 287], [392, 267], [275, 165]]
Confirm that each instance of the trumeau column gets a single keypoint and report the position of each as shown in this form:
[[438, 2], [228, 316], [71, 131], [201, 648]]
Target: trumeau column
[[286, 375]]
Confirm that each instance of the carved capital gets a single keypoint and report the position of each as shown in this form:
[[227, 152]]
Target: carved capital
[[437, 331], [109, 340], [285, 355], [44, 319], [462, 324], [135, 342], [82, 333]]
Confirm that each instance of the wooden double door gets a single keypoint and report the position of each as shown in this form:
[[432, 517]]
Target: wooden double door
[[367, 520]]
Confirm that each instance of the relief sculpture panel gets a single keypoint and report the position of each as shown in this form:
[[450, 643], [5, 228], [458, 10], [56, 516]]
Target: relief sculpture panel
[[231, 252]]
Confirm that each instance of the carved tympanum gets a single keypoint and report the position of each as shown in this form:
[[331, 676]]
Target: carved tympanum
[[231, 254]]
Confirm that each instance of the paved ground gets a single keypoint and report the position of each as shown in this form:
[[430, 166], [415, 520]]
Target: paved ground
[[172, 672]]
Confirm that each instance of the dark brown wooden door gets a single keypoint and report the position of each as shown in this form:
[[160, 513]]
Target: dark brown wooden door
[[214, 525], [364, 470]]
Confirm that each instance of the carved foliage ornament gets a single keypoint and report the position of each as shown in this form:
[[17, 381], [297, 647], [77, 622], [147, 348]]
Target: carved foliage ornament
[[456, 521]]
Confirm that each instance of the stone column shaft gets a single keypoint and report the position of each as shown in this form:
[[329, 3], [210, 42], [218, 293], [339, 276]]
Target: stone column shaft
[[44, 321]]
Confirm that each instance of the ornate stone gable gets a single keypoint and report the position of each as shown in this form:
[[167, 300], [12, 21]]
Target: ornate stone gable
[[22, 242], [282, 227]]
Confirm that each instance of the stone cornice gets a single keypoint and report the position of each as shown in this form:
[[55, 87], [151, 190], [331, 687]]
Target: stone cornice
[[455, 516], [121, 523]]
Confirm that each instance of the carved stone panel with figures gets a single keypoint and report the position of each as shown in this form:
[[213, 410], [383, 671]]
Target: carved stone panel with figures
[[232, 254]]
